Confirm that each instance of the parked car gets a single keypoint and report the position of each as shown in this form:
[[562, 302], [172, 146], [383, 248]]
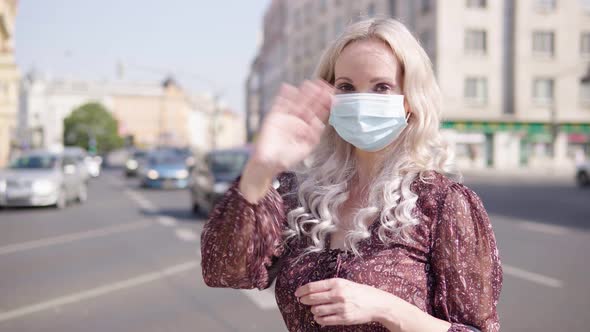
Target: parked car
[[133, 163], [583, 174], [164, 170], [42, 178], [212, 176]]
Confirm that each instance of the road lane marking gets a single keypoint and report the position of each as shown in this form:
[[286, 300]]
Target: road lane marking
[[264, 299], [544, 228], [99, 291], [167, 221], [186, 234], [531, 225], [140, 200], [12, 248], [532, 277]]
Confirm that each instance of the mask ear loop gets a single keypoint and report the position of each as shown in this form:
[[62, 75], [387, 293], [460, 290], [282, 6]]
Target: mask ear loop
[[408, 116]]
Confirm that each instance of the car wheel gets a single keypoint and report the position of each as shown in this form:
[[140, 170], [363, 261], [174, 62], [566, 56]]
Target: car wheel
[[82, 193], [62, 200], [583, 179], [196, 208]]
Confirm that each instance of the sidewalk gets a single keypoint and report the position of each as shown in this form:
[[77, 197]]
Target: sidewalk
[[520, 175]]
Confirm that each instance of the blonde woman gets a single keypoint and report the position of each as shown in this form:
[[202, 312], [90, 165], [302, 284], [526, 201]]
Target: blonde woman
[[369, 235]]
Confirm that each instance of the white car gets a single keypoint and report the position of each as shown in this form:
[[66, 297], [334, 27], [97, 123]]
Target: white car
[[42, 179], [583, 174]]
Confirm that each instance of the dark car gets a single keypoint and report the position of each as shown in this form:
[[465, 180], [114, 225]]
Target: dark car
[[164, 170], [583, 174], [212, 176]]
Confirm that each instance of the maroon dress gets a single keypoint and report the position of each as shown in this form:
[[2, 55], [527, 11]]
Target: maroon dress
[[451, 270]]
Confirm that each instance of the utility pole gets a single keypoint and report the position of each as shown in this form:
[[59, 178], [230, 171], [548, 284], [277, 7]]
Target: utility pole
[[553, 122]]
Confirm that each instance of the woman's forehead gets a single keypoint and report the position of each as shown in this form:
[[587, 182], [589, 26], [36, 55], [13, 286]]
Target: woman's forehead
[[367, 58]]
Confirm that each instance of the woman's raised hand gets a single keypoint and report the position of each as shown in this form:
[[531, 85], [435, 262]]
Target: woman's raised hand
[[290, 131]]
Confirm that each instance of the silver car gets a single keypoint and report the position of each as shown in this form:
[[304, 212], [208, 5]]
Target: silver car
[[42, 178]]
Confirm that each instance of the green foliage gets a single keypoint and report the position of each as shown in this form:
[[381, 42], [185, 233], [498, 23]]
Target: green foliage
[[93, 128]]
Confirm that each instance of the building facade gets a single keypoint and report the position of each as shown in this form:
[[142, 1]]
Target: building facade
[[517, 98], [148, 114], [9, 80]]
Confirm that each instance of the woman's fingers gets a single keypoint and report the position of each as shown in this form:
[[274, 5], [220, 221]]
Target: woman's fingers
[[324, 100], [316, 298], [310, 102], [322, 310]]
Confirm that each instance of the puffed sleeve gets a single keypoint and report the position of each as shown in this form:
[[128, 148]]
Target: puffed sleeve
[[465, 263], [242, 242]]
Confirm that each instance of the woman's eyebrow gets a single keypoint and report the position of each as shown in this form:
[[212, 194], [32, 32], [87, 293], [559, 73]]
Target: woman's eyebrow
[[343, 78], [383, 78]]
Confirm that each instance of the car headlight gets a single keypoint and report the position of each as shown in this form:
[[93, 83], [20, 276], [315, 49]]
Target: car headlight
[[220, 188], [43, 187], [2, 186], [152, 174], [183, 173], [131, 164]]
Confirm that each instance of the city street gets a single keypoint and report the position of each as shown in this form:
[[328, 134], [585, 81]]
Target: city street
[[128, 260]]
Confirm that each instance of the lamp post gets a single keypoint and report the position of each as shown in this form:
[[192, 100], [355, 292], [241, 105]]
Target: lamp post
[[554, 125]]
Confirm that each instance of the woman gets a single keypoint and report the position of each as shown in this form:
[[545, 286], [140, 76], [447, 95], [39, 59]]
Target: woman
[[369, 235]]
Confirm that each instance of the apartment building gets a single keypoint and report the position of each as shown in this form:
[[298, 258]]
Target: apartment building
[[511, 72]]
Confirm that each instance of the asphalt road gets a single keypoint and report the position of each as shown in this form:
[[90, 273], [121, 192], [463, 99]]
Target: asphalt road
[[128, 260]]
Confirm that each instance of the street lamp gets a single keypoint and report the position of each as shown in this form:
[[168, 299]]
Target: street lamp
[[553, 112]]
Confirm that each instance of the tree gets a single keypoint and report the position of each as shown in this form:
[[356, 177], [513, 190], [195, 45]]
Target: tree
[[93, 128]]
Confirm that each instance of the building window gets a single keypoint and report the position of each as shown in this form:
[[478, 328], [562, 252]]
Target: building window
[[322, 38], [585, 44], [476, 90], [308, 13], [338, 26], [475, 41], [297, 17], [425, 6], [393, 8], [426, 41], [476, 3], [323, 5], [308, 44], [544, 43], [545, 5], [543, 91], [371, 10]]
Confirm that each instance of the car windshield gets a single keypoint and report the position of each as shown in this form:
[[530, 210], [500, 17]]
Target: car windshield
[[139, 154], [165, 159], [228, 162], [34, 162]]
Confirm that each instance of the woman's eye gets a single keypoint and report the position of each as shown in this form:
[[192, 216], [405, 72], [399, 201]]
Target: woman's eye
[[345, 87], [382, 88]]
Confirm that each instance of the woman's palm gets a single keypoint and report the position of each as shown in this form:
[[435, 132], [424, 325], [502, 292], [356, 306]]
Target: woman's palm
[[294, 125]]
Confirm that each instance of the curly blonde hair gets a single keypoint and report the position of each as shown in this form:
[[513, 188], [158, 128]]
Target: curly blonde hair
[[324, 184]]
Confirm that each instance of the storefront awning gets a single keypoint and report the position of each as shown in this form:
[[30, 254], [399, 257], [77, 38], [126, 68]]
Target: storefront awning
[[529, 128]]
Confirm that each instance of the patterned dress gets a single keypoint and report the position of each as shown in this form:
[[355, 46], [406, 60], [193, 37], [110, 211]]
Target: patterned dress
[[451, 269]]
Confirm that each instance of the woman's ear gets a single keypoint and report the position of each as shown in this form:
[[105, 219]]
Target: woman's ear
[[407, 109]]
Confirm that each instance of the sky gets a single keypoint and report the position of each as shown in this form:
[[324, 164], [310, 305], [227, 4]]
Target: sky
[[207, 45]]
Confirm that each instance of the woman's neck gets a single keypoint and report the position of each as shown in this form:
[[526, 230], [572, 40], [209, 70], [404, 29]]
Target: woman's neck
[[367, 164]]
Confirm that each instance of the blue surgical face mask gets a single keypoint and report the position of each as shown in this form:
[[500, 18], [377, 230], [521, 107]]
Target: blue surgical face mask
[[368, 121]]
